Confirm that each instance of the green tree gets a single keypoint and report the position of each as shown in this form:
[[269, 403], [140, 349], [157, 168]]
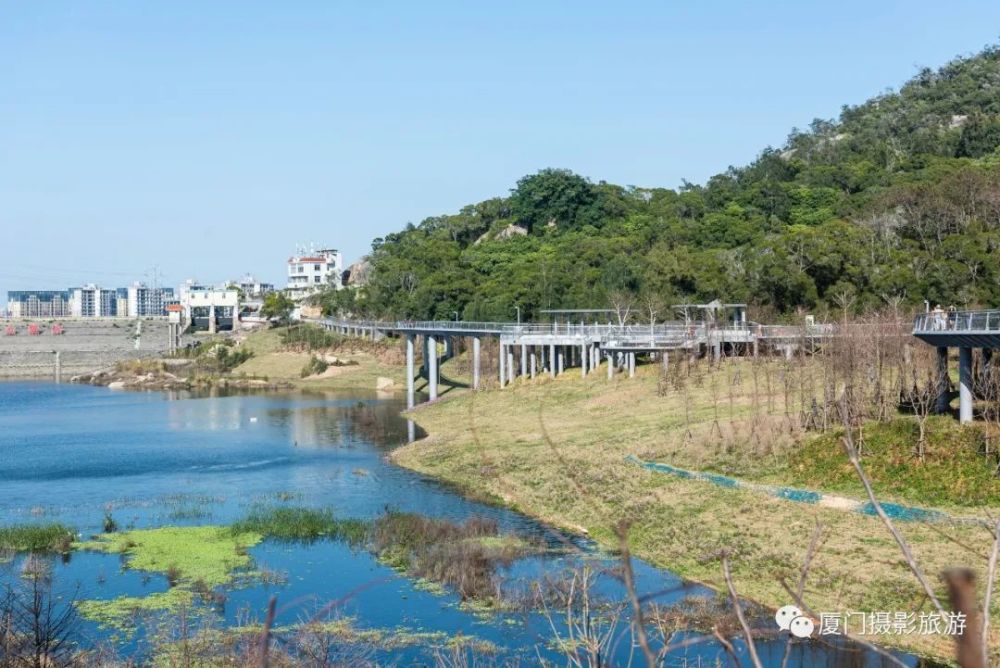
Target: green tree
[[556, 197], [278, 307]]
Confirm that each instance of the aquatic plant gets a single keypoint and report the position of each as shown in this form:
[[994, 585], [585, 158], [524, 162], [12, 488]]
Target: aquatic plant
[[52, 537], [208, 555], [122, 613], [463, 556], [294, 523]]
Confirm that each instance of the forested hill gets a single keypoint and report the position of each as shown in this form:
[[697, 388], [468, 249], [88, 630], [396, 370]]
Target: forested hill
[[896, 201]]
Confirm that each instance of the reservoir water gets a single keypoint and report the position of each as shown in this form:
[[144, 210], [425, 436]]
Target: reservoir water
[[73, 454]]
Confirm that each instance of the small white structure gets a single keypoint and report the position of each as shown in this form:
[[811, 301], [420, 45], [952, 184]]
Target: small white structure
[[310, 271], [210, 308]]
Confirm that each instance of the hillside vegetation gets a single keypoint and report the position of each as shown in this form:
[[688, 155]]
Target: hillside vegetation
[[896, 201]]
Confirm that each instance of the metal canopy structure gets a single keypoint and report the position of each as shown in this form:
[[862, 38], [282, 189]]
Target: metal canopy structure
[[563, 315], [712, 309]]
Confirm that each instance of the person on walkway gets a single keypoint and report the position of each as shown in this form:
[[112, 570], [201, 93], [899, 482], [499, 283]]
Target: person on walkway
[[937, 318], [952, 316]]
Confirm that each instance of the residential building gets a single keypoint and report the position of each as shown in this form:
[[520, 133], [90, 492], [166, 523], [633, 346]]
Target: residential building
[[92, 301], [253, 290], [144, 301], [309, 272], [39, 304], [121, 301]]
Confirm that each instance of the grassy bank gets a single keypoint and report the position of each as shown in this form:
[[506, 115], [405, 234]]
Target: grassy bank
[[555, 449], [363, 362]]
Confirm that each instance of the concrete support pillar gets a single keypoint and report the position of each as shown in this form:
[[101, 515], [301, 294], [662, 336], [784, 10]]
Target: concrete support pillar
[[944, 385], [965, 385], [583, 360], [524, 360], [475, 362], [552, 360], [58, 367], [211, 319], [409, 371], [665, 361], [432, 367], [611, 365], [503, 365], [511, 371], [531, 363], [561, 359], [449, 348], [631, 365]]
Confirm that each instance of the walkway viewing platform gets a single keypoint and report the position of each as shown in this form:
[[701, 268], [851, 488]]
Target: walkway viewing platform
[[965, 330], [972, 329]]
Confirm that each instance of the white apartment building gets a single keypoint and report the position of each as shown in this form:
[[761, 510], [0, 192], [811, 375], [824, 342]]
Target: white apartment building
[[143, 301], [39, 303], [309, 272], [253, 289], [92, 301]]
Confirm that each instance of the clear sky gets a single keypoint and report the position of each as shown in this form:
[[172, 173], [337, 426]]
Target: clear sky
[[211, 138]]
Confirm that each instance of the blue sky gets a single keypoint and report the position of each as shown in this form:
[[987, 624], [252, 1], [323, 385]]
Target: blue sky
[[211, 138]]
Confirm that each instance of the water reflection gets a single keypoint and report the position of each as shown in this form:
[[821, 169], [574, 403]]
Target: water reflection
[[206, 458]]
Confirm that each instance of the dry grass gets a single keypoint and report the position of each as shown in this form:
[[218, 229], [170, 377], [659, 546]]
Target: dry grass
[[555, 449], [272, 361]]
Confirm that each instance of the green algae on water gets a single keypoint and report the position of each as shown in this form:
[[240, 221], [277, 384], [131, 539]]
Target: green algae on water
[[119, 613], [208, 556]]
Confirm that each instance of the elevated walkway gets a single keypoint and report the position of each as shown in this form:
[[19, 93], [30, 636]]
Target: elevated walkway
[[965, 330], [962, 329]]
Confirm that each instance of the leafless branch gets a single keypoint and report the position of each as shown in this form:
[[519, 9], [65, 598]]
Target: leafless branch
[[747, 634], [638, 618], [988, 596], [858, 640], [852, 455]]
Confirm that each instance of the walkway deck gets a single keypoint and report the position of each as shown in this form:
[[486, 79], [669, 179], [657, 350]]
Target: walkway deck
[[964, 329]]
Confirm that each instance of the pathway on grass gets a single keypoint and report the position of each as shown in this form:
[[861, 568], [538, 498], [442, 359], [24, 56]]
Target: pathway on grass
[[894, 510]]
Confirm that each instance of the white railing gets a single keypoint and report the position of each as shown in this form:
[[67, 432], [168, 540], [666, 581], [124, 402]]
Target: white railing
[[957, 321], [658, 335], [793, 331], [450, 325]]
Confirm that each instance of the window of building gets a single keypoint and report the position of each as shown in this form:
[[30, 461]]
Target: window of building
[[316, 279], [316, 267]]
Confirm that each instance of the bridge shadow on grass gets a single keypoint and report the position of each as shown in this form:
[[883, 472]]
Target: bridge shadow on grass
[[445, 384]]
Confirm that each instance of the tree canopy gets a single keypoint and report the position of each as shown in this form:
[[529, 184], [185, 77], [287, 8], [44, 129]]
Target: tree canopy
[[897, 200]]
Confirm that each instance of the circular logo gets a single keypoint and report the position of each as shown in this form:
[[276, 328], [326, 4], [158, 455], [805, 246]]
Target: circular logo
[[785, 615], [802, 627]]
